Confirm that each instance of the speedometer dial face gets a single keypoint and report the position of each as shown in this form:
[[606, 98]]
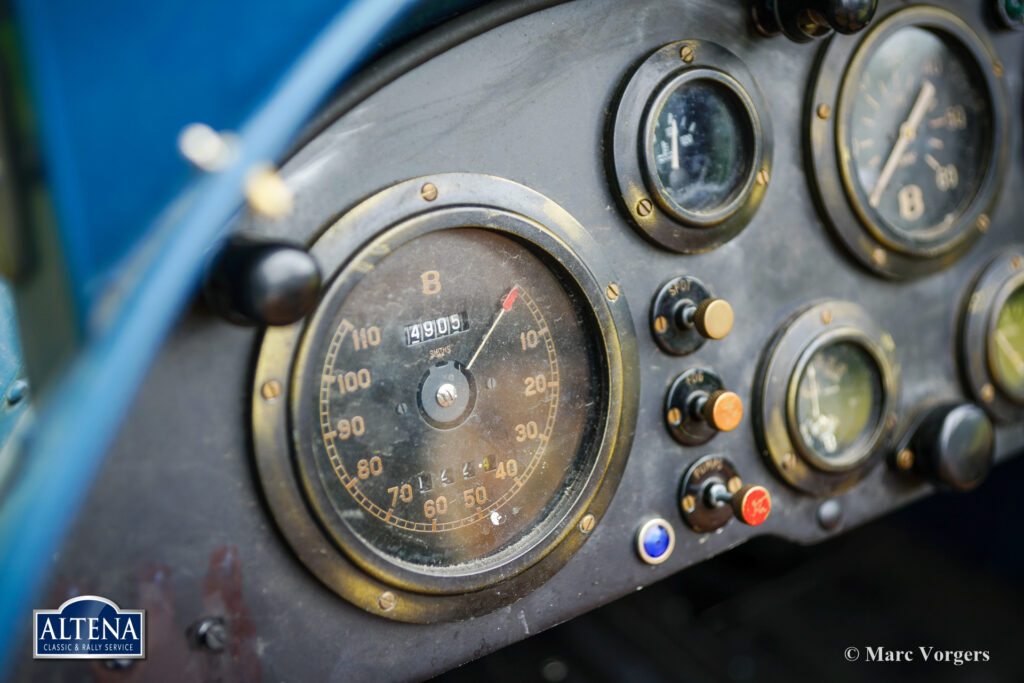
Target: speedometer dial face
[[919, 135], [461, 390]]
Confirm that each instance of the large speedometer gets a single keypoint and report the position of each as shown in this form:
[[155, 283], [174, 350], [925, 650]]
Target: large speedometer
[[457, 415], [459, 389]]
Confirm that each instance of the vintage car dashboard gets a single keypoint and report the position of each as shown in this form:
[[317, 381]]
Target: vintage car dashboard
[[602, 289]]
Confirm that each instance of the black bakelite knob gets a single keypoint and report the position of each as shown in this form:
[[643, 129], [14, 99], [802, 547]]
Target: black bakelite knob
[[804, 20], [954, 446], [258, 282]]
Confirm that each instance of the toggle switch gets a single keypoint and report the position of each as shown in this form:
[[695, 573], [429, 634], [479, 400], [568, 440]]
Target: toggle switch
[[712, 493], [684, 315], [698, 407]]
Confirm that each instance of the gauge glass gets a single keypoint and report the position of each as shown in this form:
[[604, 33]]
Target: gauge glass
[[919, 135], [1008, 344], [702, 146], [461, 401], [839, 400]]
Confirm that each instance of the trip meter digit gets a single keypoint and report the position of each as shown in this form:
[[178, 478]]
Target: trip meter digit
[[456, 404]]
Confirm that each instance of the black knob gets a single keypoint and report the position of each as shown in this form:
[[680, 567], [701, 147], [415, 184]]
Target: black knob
[[954, 446], [258, 282], [804, 20]]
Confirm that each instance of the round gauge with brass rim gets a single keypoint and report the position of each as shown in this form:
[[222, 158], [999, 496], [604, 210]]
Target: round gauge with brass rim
[[456, 404], [827, 399], [907, 139], [992, 337], [691, 146]]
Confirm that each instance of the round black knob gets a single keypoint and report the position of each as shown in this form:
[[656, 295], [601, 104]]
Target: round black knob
[[954, 446], [804, 20], [257, 282]]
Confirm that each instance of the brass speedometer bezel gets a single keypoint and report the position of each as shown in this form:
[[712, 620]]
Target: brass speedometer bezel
[[350, 247], [807, 331], [876, 247]]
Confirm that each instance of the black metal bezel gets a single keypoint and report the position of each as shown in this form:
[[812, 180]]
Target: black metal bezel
[[993, 286], [811, 329], [877, 247], [674, 293], [347, 249], [660, 220], [691, 430]]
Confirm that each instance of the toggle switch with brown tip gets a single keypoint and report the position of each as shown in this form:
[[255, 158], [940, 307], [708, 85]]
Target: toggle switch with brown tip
[[723, 410], [698, 407], [712, 318]]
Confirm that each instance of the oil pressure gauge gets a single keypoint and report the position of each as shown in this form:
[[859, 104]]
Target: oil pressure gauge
[[828, 395], [908, 147], [691, 146], [456, 404]]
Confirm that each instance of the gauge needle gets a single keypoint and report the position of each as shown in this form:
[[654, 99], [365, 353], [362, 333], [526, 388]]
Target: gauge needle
[[1011, 352], [815, 393], [908, 131], [506, 304], [673, 129]]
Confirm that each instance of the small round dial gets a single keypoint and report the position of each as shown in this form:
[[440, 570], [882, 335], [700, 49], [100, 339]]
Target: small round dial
[[919, 135], [702, 146], [459, 397], [1006, 345], [839, 399]]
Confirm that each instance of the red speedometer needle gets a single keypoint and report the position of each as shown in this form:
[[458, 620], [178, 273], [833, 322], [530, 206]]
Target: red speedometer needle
[[506, 304]]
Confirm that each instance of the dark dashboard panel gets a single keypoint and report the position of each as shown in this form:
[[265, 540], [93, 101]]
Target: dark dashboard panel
[[532, 101]]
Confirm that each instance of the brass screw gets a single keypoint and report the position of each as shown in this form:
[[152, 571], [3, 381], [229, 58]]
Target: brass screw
[[1016, 262], [826, 317], [788, 461], [644, 207], [997, 69], [675, 416], [763, 177], [271, 389], [988, 393], [983, 223], [878, 257], [587, 523], [734, 484], [660, 324], [689, 503], [429, 192], [387, 601], [905, 459], [824, 111], [612, 291], [686, 54], [890, 421]]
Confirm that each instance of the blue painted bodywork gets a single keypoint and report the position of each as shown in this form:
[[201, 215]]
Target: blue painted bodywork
[[112, 83], [11, 405]]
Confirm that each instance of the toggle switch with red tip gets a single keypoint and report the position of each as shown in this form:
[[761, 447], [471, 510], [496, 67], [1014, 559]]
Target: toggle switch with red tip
[[712, 493]]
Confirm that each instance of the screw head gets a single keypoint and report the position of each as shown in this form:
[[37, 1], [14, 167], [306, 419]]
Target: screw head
[[660, 324], [674, 416], [997, 69], [271, 389], [983, 223], [788, 461], [17, 391], [823, 111], [429, 192], [387, 601], [905, 459], [686, 53], [734, 484], [826, 317], [588, 523], [612, 292], [644, 207], [988, 393], [878, 257], [1016, 262], [763, 177], [446, 395], [212, 633], [689, 503]]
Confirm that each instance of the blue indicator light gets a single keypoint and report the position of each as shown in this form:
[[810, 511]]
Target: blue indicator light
[[655, 541]]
